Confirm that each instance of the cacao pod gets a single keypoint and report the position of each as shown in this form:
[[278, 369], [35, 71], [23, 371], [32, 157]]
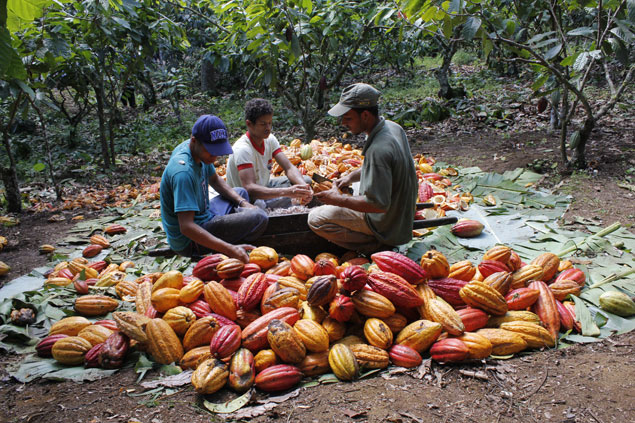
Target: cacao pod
[[70, 350], [278, 377], [315, 364], [265, 257], [343, 362], [163, 344], [617, 302], [545, 307], [225, 341], [113, 352], [285, 342], [242, 373], [95, 305], [467, 228], [404, 356], [479, 295], [44, 347], [400, 265], [449, 350], [395, 288], [210, 376], [435, 265], [200, 332]]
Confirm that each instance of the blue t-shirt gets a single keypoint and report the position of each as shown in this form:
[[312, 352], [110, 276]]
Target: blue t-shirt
[[184, 187]]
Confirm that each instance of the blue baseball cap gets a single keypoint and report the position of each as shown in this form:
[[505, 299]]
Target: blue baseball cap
[[212, 133]]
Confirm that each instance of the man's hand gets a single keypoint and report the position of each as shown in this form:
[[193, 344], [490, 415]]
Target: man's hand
[[246, 205], [303, 192], [330, 196], [239, 252]]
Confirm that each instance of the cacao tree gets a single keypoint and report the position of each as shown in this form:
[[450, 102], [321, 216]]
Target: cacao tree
[[299, 49], [564, 42]]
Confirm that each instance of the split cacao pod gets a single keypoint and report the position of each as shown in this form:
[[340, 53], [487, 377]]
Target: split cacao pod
[[210, 376], [242, 372], [279, 377], [343, 362], [95, 305], [398, 264]]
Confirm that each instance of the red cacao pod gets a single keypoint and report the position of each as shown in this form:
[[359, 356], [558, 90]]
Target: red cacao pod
[[113, 352], [404, 356], [44, 347], [448, 289], [398, 264], [395, 288], [449, 350], [91, 359], [353, 278], [278, 377], [205, 269], [473, 318], [225, 341]]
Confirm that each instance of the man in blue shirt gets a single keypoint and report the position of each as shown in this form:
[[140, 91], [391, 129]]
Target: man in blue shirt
[[194, 224]]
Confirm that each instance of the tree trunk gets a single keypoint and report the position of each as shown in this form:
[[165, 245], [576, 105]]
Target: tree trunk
[[47, 148], [10, 174], [446, 90], [579, 158], [102, 123]]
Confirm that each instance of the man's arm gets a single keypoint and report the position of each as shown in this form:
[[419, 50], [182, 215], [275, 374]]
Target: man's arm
[[200, 236], [248, 181], [347, 180], [290, 170], [358, 202], [225, 191]]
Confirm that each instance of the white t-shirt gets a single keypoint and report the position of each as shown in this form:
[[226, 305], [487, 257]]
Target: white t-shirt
[[246, 155]]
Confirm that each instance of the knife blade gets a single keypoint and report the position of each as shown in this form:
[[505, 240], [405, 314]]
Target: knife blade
[[320, 179]]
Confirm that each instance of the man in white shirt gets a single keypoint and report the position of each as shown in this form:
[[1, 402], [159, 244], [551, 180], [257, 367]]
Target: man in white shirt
[[250, 164]]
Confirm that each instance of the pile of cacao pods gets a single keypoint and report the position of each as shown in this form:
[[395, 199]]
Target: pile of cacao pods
[[273, 321], [333, 159]]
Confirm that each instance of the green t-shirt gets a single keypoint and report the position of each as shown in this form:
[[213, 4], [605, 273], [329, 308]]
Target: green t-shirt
[[389, 181]]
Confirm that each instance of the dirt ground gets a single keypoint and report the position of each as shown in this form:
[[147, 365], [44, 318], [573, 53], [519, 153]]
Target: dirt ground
[[583, 383]]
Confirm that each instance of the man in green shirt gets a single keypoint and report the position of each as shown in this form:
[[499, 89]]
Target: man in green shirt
[[383, 211]]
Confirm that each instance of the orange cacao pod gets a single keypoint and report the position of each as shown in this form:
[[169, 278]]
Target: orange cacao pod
[[324, 267], [95, 334], [370, 357], [441, 312], [265, 257], [500, 253], [435, 265], [462, 270], [549, 263], [242, 373], [70, 350], [210, 376], [341, 308], [200, 332], [315, 364], [163, 344], [473, 318], [335, 329], [545, 307], [372, 304], [396, 322], [500, 281], [219, 300], [285, 297], [95, 305], [293, 282], [478, 346], [100, 240], [254, 336], [69, 326], [534, 335], [302, 266], [526, 274], [282, 268], [503, 342], [164, 299], [419, 335], [564, 287], [127, 290], [513, 316], [521, 298], [114, 229], [479, 295], [194, 357], [572, 274], [191, 292], [377, 333], [312, 334], [229, 268], [172, 279], [264, 359], [180, 319], [285, 342]]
